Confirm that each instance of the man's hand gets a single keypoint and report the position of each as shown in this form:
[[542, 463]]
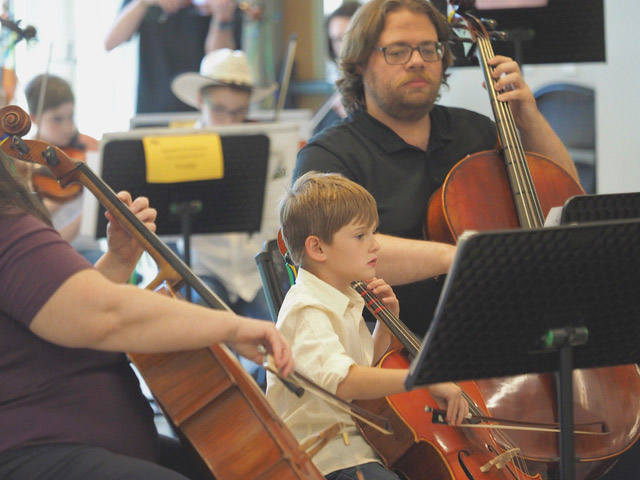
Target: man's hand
[[512, 88]]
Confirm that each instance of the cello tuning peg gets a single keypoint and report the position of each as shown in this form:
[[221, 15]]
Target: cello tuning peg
[[18, 144], [460, 40]]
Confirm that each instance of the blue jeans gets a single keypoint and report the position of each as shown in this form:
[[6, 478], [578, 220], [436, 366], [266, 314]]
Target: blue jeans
[[370, 471]]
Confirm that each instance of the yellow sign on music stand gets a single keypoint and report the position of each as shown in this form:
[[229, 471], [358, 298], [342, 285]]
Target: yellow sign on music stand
[[183, 158]]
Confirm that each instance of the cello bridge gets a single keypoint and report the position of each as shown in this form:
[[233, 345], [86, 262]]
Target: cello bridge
[[500, 461]]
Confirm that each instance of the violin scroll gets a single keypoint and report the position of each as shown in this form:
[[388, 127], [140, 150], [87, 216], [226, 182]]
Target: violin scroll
[[14, 121]]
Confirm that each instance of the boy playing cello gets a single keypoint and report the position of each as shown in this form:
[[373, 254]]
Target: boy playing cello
[[328, 224]]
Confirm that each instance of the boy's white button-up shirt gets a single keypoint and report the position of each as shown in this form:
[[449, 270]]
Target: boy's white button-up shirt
[[327, 335]]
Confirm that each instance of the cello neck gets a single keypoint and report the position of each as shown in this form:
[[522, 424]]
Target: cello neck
[[524, 193], [171, 268], [398, 329]]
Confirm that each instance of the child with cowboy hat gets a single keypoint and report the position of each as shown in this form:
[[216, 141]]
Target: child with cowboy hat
[[223, 89]]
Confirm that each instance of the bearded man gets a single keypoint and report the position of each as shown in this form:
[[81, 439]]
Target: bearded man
[[400, 145]]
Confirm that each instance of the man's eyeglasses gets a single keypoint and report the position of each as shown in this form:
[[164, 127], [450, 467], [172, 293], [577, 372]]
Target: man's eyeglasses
[[400, 53]]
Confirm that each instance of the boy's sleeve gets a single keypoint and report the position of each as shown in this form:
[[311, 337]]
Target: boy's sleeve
[[317, 349]]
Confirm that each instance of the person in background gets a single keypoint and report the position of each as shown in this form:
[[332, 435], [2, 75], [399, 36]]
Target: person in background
[[174, 37], [222, 90], [71, 407], [328, 225], [336, 26], [53, 117], [400, 145]]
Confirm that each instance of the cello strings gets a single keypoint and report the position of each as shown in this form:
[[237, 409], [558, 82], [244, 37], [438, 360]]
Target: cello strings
[[531, 212], [508, 145], [515, 153]]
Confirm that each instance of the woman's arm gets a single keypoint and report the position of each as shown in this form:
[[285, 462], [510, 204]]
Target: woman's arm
[[89, 311]]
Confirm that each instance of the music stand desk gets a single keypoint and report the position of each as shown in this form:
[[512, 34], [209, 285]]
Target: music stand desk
[[507, 290]]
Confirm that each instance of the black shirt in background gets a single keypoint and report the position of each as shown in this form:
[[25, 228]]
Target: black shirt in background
[[170, 45], [401, 178]]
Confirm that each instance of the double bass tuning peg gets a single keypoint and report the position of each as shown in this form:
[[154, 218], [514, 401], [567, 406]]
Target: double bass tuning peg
[[499, 36], [489, 23]]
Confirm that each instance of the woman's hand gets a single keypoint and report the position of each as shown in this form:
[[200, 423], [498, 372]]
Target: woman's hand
[[121, 244], [250, 333]]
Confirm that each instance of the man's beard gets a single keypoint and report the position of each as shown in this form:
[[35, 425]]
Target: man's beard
[[401, 108]]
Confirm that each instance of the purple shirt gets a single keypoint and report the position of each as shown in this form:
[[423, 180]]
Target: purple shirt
[[49, 393]]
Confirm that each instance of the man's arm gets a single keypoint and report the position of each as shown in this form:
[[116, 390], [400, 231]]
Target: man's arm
[[221, 30], [402, 260], [129, 19], [536, 133]]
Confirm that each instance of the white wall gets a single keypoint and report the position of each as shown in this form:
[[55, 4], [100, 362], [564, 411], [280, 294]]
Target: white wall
[[617, 95]]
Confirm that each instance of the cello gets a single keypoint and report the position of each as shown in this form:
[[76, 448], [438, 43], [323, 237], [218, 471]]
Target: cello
[[212, 403], [423, 448], [509, 188]]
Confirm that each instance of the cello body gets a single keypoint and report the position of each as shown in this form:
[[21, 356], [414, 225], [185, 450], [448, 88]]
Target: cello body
[[219, 410], [419, 448], [422, 450], [609, 393], [477, 195]]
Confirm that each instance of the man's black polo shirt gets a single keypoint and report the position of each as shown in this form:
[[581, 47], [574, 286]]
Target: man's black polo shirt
[[401, 178]]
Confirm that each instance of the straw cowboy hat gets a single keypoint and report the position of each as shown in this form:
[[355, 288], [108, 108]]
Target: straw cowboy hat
[[224, 67]]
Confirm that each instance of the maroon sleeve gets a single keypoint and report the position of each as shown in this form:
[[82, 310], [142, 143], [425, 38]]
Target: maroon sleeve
[[34, 262]]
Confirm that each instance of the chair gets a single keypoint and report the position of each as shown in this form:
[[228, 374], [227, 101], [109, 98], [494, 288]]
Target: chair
[[275, 277], [570, 110]]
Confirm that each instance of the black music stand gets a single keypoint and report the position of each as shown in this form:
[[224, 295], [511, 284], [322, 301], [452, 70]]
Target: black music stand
[[233, 203], [514, 292], [593, 208]]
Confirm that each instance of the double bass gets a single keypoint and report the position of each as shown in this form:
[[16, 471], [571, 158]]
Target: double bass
[[509, 188]]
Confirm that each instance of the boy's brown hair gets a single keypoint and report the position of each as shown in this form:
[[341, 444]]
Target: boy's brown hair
[[320, 204], [57, 91]]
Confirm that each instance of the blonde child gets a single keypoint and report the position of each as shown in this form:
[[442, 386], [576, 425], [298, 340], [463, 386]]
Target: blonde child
[[328, 224]]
